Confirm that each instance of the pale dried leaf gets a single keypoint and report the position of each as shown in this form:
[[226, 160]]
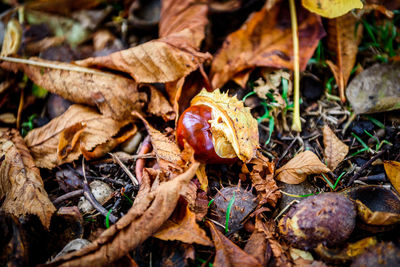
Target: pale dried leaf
[[186, 230], [114, 95], [12, 38], [331, 8], [392, 169], [228, 253], [169, 58], [335, 150], [265, 40], [43, 142], [297, 169], [20, 181], [149, 211], [8, 118], [344, 36]]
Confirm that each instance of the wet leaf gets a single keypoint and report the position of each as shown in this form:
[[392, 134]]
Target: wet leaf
[[185, 230], [114, 95], [228, 253], [335, 150], [331, 8], [151, 208], [344, 36], [169, 58], [63, 138], [265, 40], [297, 169], [20, 181], [12, 38], [392, 169]]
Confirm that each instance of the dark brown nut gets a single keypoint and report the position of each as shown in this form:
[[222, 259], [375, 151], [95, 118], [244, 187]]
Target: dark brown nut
[[243, 203], [383, 254], [327, 218]]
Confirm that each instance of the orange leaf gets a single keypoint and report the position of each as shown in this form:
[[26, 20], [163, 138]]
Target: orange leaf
[[265, 40], [335, 150], [392, 169], [344, 36], [297, 169], [185, 230]]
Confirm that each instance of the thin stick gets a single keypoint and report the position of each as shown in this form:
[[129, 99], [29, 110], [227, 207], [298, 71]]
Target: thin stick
[[296, 123], [68, 195], [363, 167], [20, 107], [126, 170], [92, 200]]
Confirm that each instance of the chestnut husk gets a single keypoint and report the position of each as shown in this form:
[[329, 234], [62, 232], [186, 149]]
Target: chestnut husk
[[327, 219]]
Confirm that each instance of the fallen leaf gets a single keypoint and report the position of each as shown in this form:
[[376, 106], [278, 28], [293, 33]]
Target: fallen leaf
[[297, 169], [169, 58], [331, 8], [114, 95], [12, 38], [44, 142], [151, 208], [262, 178], [228, 253], [62, 6], [265, 40], [344, 36], [392, 169], [20, 181], [335, 150], [257, 246], [158, 104], [8, 118], [186, 230]]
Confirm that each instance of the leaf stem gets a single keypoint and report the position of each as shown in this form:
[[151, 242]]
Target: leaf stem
[[296, 124]]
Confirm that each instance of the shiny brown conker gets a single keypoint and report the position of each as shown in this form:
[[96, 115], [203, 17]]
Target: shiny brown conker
[[327, 219], [193, 126]]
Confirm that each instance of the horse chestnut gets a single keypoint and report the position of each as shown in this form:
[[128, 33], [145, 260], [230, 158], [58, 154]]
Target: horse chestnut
[[219, 128]]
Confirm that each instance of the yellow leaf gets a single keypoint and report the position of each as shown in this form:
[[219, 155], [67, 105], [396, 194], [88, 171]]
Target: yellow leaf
[[331, 8], [392, 169], [297, 169]]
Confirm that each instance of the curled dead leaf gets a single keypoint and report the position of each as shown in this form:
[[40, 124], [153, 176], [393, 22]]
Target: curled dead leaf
[[20, 181], [392, 169], [55, 143], [335, 150], [297, 169], [12, 38], [331, 8]]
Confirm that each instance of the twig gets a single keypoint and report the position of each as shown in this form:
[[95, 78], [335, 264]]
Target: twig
[[68, 195], [92, 200], [144, 149], [20, 107], [286, 150], [363, 167], [296, 123], [126, 170]]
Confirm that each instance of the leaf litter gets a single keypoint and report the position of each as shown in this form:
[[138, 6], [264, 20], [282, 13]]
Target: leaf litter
[[128, 83]]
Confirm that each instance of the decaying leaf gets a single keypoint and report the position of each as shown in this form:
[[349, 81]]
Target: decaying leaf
[[114, 95], [57, 142], [262, 178], [392, 169], [331, 8], [258, 247], [169, 58], [12, 38], [297, 169], [344, 36], [335, 150], [265, 40], [20, 181], [228, 253], [151, 208], [158, 105], [185, 230]]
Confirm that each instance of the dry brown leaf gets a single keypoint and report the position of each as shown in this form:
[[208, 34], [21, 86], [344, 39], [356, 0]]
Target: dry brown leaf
[[114, 95], [344, 36], [185, 230], [151, 208], [20, 181], [392, 169], [158, 105], [169, 58], [335, 150], [297, 169], [265, 40], [331, 8], [258, 246], [262, 178], [227, 253], [43, 142]]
